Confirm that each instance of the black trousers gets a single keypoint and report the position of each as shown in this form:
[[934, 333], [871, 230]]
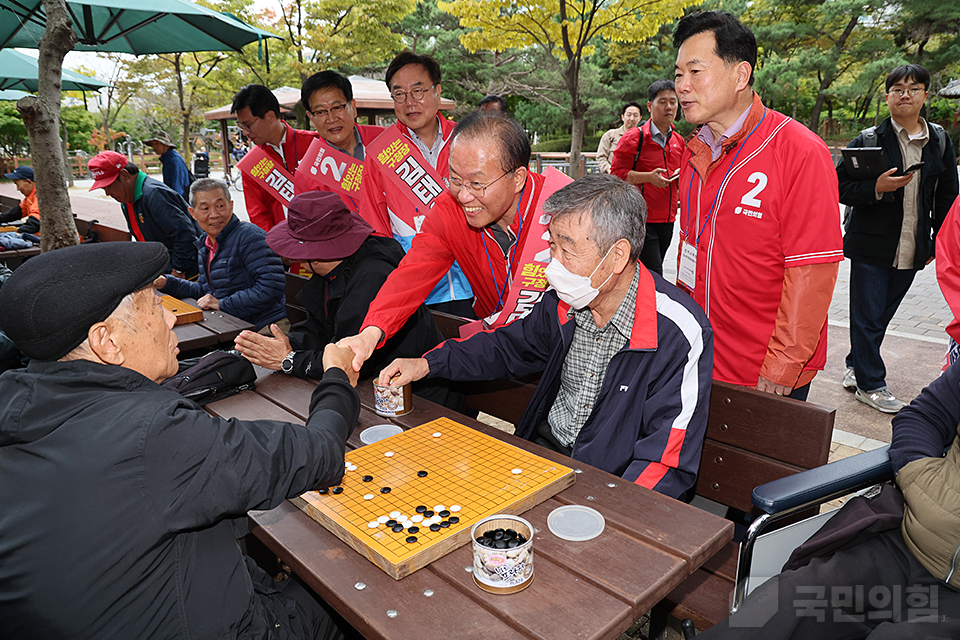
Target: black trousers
[[658, 237], [875, 589]]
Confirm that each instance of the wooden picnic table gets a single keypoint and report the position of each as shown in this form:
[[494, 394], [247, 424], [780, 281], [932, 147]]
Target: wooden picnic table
[[15, 257], [216, 331], [593, 589]]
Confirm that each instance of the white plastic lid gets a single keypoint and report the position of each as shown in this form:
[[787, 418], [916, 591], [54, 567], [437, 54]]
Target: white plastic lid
[[575, 522], [378, 432]]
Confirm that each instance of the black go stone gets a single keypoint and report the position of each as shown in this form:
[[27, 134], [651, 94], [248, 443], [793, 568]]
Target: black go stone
[[421, 509], [428, 514], [397, 528], [444, 513], [385, 490], [453, 520], [498, 535], [391, 522], [367, 478], [488, 535], [444, 524], [509, 534], [413, 530], [513, 543], [500, 544], [520, 538], [323, 492], [422, 474], [411, 539], [434, 527], [338, 490]]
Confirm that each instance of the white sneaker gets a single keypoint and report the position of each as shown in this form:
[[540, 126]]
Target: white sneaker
[[850, 380], [881, 400]]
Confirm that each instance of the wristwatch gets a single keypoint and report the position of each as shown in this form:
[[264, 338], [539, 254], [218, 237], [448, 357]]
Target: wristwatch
[[286, 365]]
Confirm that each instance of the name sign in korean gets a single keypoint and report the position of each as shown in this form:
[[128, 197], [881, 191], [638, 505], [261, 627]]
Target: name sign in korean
[[269, 174], [332, 169], [407, 171]]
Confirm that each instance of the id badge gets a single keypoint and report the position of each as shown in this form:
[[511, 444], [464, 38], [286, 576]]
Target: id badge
[[687, 272]]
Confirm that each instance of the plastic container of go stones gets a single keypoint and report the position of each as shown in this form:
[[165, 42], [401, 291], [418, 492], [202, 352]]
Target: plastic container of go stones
[[392, 401], [508, 570]]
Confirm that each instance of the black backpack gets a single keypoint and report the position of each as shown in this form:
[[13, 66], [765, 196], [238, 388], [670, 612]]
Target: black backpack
[[214, 376]]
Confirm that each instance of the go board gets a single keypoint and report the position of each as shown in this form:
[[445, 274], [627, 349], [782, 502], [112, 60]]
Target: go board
[[185, 313], [403, 479]]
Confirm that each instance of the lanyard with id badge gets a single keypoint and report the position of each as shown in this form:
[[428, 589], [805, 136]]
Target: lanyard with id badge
[[687, 270]]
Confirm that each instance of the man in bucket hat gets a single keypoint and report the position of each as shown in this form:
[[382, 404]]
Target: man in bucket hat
[[349, 265], [175, 172], [122, 500], [154, 212]]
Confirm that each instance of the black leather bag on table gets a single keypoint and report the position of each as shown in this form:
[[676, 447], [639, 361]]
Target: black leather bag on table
[[214, 376]]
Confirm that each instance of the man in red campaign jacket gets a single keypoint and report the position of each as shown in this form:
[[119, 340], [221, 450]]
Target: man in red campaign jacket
[[649, 157], [759, 221], [258, 115], [421, 137], [328, 100]]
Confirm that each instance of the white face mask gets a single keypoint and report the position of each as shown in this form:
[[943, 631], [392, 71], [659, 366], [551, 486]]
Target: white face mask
[[576, 291]]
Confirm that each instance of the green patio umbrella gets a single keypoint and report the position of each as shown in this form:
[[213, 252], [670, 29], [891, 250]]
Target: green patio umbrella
[[131, 26], [19, 71], [12, 95]]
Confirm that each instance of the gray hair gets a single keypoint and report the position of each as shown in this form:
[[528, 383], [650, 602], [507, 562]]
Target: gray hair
[[208, 184], [125, 314], [616, 209]]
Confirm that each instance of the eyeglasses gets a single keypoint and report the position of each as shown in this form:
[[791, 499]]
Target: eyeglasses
[[416, 93], [912, 92], [245, 126], [475, 188], [336, 111]]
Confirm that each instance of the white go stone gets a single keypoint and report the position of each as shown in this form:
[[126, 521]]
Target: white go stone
[[416, 518], [383, 519], [394, 515], [439, 508], [373, 524], [455, 508], [388, 454], [516, 472], [369, 496], [437, 434]]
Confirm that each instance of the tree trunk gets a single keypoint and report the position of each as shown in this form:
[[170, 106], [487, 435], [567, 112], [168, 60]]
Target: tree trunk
[[184, 114], [41, 116]]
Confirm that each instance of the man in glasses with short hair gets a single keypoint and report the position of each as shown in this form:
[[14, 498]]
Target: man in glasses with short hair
[[893, 225], [258, 114], [484, 223], [327, 97], [406, 169]]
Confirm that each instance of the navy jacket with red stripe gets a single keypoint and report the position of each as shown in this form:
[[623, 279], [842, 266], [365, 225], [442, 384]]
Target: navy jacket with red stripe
[[650, 417]]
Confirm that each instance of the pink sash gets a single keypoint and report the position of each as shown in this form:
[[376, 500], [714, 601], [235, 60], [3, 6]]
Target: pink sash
[[269, 174], [409, 173], [331, 168]]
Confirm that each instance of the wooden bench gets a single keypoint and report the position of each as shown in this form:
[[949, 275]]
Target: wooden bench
[[7, 203], [752, 438], [102, 232]]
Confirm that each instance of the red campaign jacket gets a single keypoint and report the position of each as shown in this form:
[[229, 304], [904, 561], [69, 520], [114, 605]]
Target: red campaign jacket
[[444, 237], [376, 198], [262, 208], [772, 198], [661, 202], [948, 266], [368, 133]]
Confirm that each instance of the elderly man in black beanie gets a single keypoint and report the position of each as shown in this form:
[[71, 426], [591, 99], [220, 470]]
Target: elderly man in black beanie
[[121, 501]]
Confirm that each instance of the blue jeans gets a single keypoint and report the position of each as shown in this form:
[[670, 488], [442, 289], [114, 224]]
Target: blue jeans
[[875, 294]]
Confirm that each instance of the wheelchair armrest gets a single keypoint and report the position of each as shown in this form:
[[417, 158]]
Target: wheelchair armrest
[[824, 483]]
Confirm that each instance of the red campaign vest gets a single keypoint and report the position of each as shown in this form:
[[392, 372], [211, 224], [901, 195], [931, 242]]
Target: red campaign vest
[[410, 174], [333, 170], [268, 174], [533, 258], [662, 202]]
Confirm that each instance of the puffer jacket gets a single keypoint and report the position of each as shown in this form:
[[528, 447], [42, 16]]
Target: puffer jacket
[[931, 482], [246, 276]]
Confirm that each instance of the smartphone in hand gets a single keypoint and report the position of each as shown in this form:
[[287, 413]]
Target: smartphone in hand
[[913, 168]]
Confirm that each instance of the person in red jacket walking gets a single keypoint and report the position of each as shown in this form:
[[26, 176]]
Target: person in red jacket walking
[[649, 157]]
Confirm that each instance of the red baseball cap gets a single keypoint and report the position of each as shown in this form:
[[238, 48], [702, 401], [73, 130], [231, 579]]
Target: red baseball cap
[[105, 167]]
